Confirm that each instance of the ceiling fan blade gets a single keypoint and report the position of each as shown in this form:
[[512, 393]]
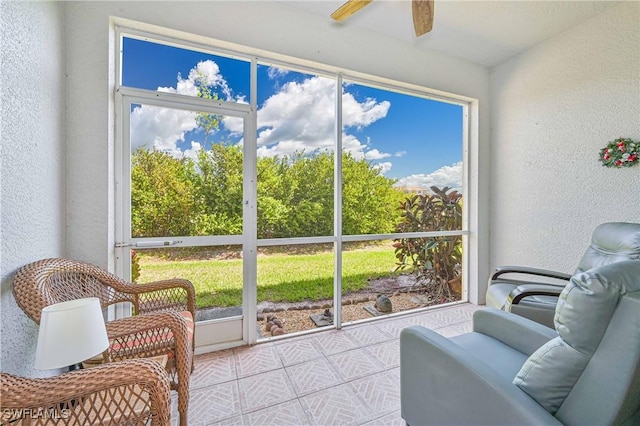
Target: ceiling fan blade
[[349, 8], [422, 11]]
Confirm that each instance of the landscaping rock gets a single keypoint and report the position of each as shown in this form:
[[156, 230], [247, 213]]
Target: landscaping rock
[[383, 304]]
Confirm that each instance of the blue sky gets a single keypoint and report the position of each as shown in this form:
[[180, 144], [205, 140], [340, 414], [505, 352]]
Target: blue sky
[[412, 139]]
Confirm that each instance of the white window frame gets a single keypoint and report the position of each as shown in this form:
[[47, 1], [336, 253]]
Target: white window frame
[[221, 48]]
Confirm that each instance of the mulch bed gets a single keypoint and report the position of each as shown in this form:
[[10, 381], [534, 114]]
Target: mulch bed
[[297, 316]]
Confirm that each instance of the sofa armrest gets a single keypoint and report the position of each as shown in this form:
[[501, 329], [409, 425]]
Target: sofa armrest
[[518, 332], [526, 270], [525, 290], [441, 383]]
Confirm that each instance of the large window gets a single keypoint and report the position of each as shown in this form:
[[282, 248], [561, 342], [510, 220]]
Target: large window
[[316, 191]]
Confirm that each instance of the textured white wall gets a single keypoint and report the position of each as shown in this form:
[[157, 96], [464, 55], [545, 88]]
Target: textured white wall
[[553, 108], [271, 26], [33, 224]]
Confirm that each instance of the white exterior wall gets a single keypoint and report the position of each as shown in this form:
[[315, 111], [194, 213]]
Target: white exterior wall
[[32, 137], [553, 108]]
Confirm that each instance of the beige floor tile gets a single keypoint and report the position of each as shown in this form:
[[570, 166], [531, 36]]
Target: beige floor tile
[[313, 376], [213, 368], [387, 353], [213, 404], [354, 364], [234, 421], [302, 380], [381, 392], [394, 327], [258, 359], [265, 390], [367, 335], [391, 419], [298, 351], [333, 342], [287, 413], [336, 406], [449, 315]]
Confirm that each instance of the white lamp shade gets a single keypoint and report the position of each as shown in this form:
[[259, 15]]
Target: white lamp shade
[[70, 332]]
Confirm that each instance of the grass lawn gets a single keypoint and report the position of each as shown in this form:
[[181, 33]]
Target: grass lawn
[[281, 277]]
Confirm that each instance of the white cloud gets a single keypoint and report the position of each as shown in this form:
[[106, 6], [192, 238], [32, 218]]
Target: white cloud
[[301, 117], [234, 124], [400, 154], [164, 128], [274, 73], [192, 152], [299, 112], [450, 176], [362, 114], [160, 128], [374, 154], [205, 73], [384, 167]]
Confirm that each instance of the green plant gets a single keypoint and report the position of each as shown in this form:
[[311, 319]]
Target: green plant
[[434, 260], [135, 266]]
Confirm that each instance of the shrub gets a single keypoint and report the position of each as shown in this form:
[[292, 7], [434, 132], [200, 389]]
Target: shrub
[[434, 260]]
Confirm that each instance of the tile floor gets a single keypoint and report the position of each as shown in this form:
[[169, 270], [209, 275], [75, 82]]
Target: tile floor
[[346, 377]]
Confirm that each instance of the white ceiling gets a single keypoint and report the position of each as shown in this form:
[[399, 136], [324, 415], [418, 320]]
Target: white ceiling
[[483, 32]]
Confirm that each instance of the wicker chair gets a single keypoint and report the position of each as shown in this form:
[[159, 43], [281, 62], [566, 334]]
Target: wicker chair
[[163, 313], [132, 392]]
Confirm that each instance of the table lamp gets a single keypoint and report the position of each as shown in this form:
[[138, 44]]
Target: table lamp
[[70, 332]]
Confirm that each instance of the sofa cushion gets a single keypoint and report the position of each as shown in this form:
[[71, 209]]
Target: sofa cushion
[[584, 309], [502, 358]]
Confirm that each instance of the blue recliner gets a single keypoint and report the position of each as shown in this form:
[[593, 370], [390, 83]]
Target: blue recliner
[[511, 370], [519, 289]]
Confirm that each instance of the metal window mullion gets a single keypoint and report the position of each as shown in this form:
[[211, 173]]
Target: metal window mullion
[[424, 234], [182, 43], [337, 210], [466, 164], [250, 215], [407, 89], [196, 241], [267, 242], [185, 102], [123, 198]]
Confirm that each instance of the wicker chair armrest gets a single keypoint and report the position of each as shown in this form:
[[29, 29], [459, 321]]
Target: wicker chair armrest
[[167, 331], [158, 296], [128, 387], [151, 335], [139, 288]]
